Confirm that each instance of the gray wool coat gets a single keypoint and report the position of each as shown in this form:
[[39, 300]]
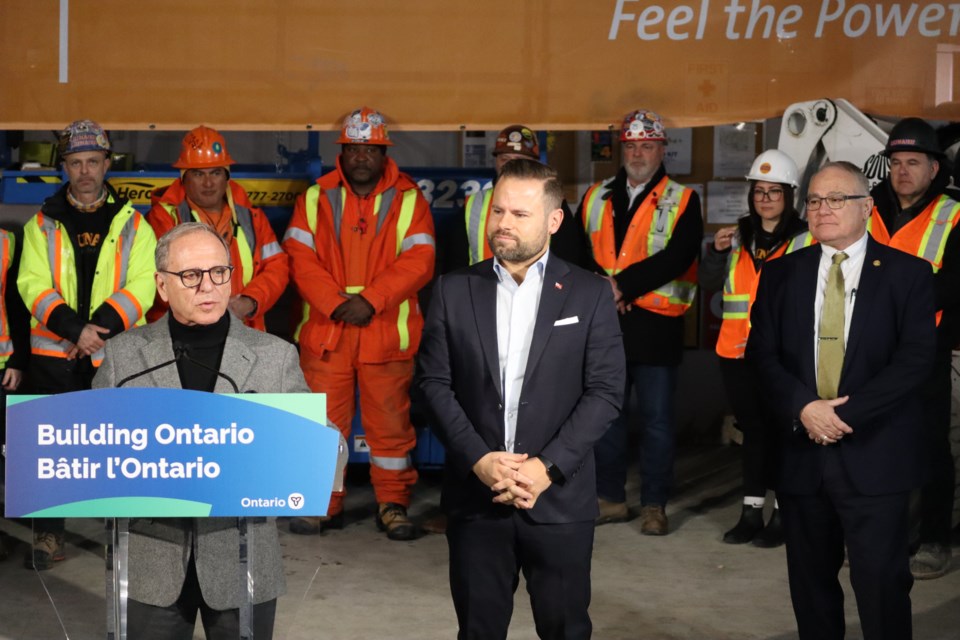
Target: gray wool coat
[[160, 548]]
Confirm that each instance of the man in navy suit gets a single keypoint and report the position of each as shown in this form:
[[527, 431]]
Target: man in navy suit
[[851, 436], [522, 368]]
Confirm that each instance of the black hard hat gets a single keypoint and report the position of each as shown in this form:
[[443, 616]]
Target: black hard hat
[[913, 134]]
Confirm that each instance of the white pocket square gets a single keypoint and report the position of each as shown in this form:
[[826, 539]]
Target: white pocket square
[[566, 321]]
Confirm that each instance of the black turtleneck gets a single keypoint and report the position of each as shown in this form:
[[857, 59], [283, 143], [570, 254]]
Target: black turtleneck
[[204, 344]]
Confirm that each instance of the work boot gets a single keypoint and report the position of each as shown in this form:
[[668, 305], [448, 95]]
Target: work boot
[[313, 525], [749, 525], [772, 534], [932, 560], [47, 549], [612, 511], [653, 520], [392, 518]]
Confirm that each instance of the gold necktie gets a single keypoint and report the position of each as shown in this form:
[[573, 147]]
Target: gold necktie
[[831, 344]]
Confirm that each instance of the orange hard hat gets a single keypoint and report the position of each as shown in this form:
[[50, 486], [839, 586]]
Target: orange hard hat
[[203, 148], [365, 126], [518, 139]]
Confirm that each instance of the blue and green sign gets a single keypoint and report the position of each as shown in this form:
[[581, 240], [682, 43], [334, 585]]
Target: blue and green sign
[[168, 453]]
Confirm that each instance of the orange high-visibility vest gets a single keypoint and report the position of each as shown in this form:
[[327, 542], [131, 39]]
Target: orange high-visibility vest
[[925, 236], [740, 291], [650, 231]]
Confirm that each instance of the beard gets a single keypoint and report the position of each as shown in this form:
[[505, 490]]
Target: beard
[[516, 251]]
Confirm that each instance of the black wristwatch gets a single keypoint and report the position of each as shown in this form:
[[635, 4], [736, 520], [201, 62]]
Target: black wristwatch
[[553, 471]]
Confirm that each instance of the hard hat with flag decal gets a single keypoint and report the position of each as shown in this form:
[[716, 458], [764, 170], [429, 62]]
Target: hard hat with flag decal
[[642, 124], [774, 165], [365, 126], [518, 139], [203, 148]]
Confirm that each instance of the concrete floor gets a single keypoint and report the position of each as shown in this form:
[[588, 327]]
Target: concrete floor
[[356, 584]]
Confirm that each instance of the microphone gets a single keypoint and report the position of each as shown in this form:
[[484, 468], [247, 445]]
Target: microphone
[[183, 351], [176, 358]]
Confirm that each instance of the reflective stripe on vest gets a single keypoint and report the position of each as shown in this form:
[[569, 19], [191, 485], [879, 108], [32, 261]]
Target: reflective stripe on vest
[[407, 208], [678, 293], [595, 206], [51, 298], [122, 302], [45, 304], [478, 209], [801, 241], [934, 241], [392, 464], [736, 306]]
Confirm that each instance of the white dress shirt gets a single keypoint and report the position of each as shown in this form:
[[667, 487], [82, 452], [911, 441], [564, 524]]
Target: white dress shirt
[[633, 192], [517, 306], [851, 269]]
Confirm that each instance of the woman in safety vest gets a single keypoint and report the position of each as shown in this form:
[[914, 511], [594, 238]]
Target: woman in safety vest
[[771, 228]]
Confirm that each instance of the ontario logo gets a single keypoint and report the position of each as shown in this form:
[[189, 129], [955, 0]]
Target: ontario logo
[[294, 501]]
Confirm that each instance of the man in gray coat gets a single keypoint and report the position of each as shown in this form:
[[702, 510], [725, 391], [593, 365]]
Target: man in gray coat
[[179, 566]]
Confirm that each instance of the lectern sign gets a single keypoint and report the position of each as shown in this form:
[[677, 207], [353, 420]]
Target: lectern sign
[[168, 453]]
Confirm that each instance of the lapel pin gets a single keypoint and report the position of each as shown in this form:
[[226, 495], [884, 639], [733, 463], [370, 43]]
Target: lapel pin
[[876, 263], [558, 286]]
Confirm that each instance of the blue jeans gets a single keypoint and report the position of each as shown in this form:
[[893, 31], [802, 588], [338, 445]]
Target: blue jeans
[[648, 404]]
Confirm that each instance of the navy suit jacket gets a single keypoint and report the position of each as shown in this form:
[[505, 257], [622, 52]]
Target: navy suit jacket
[[889, 354], [572, 388]]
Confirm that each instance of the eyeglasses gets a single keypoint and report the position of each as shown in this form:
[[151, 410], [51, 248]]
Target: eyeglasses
[[833, 200], [773, 195], [191, 278]]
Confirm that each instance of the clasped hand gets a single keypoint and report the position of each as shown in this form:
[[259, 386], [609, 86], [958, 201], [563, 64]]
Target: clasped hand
[[355, 310], [822, 423], [516, 478], [89, 342]]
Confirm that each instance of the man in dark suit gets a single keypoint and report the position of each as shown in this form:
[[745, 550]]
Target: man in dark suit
[[843, 334], [522, 368]]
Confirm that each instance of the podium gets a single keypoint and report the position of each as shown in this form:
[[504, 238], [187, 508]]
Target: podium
[[135, 455]]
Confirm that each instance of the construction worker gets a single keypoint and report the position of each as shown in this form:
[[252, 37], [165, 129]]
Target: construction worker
[[467, 244], [205, 193], [14, 345], [732, 263], [361, 246], [644, 230], [86, 274], [916, 212]]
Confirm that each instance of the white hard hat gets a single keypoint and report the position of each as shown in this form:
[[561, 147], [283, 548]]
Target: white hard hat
[[774, 165]]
